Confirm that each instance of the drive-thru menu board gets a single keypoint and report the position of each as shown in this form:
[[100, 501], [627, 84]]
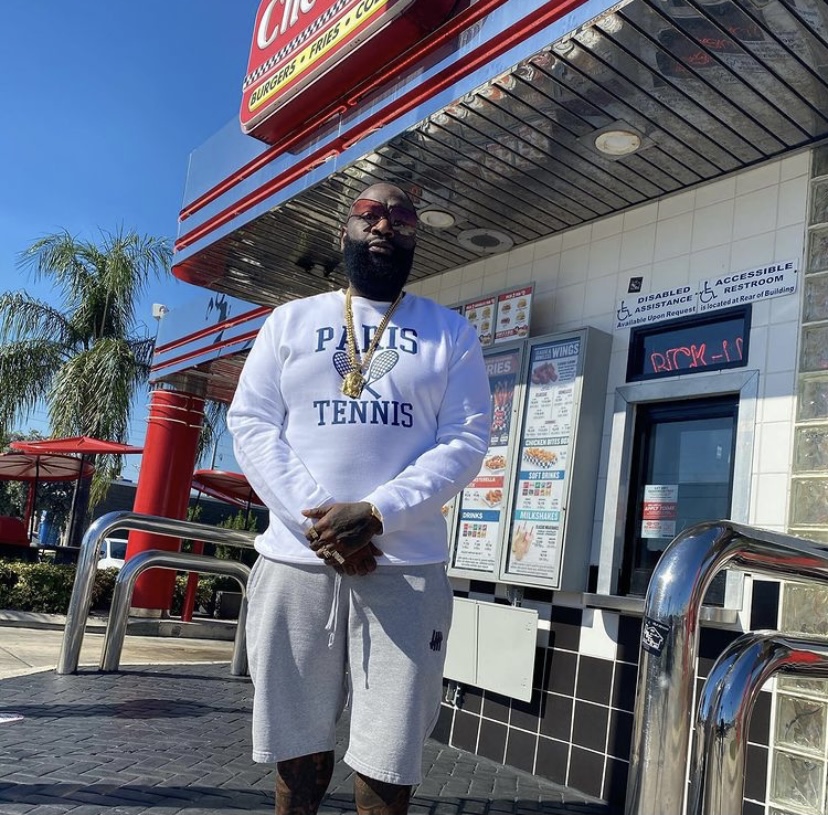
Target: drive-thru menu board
[[482, 503], [547, 437], [517, 519]]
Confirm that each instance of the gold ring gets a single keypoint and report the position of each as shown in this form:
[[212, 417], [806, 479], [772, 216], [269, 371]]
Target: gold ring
[[313, 534]]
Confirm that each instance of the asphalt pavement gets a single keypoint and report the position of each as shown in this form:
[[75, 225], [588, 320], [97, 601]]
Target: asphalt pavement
[[169, 734]]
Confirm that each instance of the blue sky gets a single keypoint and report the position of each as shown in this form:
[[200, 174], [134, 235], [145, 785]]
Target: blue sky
[[104, 101]]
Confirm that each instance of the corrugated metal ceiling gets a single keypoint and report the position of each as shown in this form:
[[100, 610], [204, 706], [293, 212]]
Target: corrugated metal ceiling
[[710, 86]]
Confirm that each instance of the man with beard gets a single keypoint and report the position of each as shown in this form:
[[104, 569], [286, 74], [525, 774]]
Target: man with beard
[[358, 415]]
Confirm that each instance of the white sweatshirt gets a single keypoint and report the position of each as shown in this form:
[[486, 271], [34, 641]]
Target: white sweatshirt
[[415, 437]]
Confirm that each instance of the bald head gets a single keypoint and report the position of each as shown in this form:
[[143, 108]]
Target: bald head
[[383, 191]]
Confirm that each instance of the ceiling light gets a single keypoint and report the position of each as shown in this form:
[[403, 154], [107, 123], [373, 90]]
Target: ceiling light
[[485, 241], [617, 142], [437, 218]]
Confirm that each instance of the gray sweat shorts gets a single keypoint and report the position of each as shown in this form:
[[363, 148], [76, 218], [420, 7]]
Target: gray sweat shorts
[[317, 641]]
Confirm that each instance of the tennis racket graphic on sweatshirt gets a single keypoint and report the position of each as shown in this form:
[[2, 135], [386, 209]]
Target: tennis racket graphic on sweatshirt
[[382, 364]]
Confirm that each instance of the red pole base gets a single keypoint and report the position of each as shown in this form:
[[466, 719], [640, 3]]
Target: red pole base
[[192, 587]]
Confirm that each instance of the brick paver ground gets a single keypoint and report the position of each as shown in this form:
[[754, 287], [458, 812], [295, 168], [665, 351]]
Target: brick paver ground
[[170, 740]]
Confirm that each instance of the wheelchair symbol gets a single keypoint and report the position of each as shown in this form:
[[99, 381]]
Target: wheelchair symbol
[[707, 294]]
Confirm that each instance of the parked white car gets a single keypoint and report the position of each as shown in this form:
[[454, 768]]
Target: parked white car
[[112, 553]]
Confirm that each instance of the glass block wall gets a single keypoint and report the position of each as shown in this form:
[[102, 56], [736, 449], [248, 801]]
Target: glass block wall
[[799, 766]]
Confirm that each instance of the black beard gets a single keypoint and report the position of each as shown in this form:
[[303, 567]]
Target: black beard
[[377, 277]]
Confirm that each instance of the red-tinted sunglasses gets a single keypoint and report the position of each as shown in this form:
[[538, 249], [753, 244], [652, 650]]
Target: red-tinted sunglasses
[[403, 220]]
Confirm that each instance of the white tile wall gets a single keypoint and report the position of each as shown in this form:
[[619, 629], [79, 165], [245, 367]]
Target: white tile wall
[[752, 251], [474, 271], [471, 288], [676, 204], [713, 225], [613, 225], [755, 213], [789, 242], [759, 178], [752, 218], [792, 204], [794, 166], [640, 216], [774, 448], [782, 339], [667, 274], [779, 403], [715, 192], [758, 346], [714, 260], [770, 508], [579, 236], [604, 257], [638, 246], [673, 236]]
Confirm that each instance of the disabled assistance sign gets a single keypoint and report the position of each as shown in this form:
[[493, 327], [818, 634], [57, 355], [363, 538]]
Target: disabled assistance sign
[[724, 291]]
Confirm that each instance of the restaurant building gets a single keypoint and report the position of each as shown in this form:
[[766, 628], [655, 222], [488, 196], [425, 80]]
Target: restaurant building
[[630, 202]]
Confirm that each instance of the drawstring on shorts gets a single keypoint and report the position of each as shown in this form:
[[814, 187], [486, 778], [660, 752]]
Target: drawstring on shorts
[[333, 617]]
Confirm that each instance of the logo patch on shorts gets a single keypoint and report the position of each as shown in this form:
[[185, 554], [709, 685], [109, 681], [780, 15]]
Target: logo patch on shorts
[[436, 640]]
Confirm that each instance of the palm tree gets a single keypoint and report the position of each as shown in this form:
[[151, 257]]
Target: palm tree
[[87, 358]]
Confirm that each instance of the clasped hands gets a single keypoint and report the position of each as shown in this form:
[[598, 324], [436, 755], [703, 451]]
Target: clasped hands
[[341, 535]]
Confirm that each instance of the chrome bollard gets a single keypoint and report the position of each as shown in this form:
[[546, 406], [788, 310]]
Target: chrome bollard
[[180, 561], [78, 611], [669, 641], [717, 770]]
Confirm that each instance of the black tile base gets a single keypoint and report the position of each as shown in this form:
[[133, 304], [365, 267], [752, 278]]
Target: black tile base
[[552, 760], [586, 772]]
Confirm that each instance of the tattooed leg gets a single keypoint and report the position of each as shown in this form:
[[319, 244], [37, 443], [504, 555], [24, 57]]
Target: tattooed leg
[[379, 797], [301, 783]]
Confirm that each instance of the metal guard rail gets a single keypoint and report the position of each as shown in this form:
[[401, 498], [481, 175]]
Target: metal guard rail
[[81, 598], [669, 641], [717, 770], [180, 561]]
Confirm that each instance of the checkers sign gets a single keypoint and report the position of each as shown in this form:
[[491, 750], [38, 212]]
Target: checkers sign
[[297, 44]]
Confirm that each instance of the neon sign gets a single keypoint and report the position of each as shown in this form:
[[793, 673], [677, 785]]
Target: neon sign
[[691, 345]]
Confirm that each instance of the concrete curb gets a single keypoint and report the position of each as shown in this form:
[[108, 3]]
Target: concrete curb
[[197, 629]]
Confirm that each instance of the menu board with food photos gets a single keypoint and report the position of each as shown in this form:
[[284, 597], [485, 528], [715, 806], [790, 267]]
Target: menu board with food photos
[[520, 520], [500, 317], [547, 433], [513, 310], [481, 314], [481, 504]]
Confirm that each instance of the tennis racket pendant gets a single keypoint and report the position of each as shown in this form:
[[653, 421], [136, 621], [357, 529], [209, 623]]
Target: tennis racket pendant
[[353, 384]]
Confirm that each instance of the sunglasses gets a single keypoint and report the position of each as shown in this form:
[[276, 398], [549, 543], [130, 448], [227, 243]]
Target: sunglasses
[[403, 220]]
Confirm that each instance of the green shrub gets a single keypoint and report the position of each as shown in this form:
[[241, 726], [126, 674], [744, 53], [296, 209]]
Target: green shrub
[[103, 588], [205, 594], [46, 587]]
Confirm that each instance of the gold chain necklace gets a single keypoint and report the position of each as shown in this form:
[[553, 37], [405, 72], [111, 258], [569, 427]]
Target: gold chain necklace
[[354, 381]]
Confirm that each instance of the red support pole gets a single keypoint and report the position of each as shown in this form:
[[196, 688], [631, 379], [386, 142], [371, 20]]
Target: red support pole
[[163, 487], [188, 605]]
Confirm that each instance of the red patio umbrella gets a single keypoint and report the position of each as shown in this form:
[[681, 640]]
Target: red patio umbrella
[[33, 468], [226, 486], [87, 447]]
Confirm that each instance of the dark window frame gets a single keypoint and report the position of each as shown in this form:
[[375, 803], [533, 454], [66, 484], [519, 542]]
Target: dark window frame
[[647, 415], [636, 357]]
